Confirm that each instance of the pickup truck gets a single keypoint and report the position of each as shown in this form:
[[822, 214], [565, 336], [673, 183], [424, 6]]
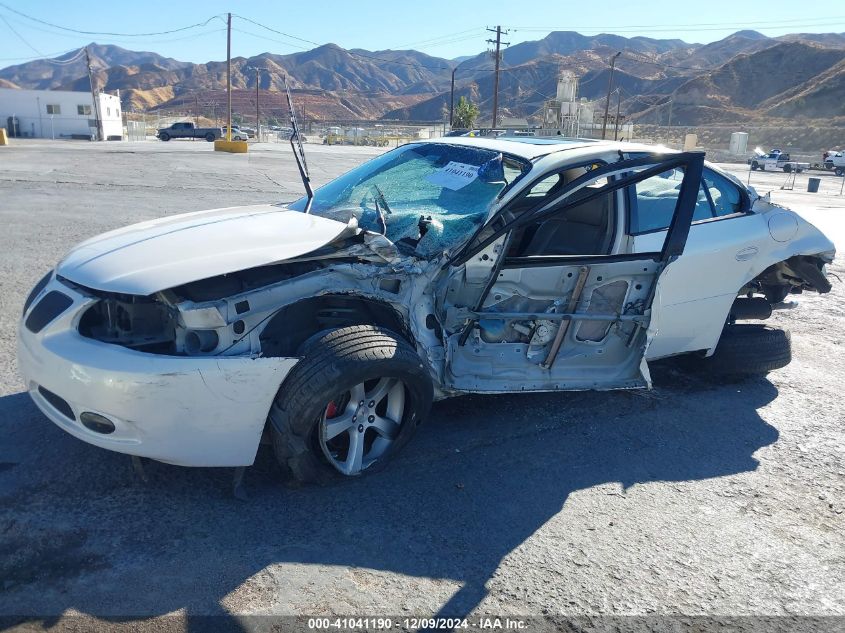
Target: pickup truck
[[835, 160], [189, 130], [774, 160]]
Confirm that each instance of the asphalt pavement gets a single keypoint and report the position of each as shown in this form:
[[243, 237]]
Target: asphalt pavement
[[694, 499]]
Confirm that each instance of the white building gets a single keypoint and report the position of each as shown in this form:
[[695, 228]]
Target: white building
[[58, 114]]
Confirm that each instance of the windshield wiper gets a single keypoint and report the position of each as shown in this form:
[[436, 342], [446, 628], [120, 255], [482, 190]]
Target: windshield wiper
[[299, 151], [382, 199], [381, 205]]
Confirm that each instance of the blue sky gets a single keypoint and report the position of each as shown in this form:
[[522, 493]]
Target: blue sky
[[437, 27]]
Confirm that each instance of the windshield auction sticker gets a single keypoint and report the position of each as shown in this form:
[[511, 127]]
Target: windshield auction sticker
[[454, 175]]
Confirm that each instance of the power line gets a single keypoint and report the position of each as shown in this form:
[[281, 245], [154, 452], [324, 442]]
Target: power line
[[70, 60], [293, 37], [445, 39], [353, 53], [20, 37], [792, 22], [75, 36], [270, 39], [64, 28], [31, 58]]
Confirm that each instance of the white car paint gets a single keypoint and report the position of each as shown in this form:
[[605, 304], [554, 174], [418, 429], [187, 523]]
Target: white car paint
[[186, 411], [210, 410], [687, 315], [151, 256]]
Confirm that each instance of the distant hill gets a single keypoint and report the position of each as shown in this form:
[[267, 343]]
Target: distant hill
[[791, 78], [719, 52], [42, 74], [745, 76]]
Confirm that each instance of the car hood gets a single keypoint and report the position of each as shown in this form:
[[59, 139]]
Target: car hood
[[151, 256]]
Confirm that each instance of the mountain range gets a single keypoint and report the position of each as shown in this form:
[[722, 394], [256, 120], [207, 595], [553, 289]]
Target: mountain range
[[744, 77]]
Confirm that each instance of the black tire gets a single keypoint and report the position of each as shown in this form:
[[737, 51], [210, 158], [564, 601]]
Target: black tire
[[334, 361], [164, 136], [840, 171], [748, 350], [210, 137], [787, 168], [775, 294], [754, 165]]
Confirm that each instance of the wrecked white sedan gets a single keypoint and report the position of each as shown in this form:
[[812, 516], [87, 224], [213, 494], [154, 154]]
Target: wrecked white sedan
[[465, 265]]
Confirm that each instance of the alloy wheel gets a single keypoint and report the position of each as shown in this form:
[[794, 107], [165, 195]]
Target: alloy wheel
[[359, 426]]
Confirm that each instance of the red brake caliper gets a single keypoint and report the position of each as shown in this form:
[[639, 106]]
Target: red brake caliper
[[331, 410]]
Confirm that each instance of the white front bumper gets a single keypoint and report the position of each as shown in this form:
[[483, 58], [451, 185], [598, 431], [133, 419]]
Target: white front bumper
[[189, 411]]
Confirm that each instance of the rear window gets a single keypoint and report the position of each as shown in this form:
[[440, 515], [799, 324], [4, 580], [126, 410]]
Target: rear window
[[653, 205]]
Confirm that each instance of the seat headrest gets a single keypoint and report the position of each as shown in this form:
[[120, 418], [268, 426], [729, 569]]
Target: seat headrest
[[592, 212]]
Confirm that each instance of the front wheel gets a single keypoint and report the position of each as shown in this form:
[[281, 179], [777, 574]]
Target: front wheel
[[353, 401], [164, 136], [840, 171], [754, 166]]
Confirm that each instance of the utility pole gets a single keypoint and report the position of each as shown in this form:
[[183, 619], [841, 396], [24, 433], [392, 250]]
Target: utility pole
[[498, 42], [257, 124], [669, 122], [616, 123], [229, 78], [609, 88], [96, 102], [452, 100]]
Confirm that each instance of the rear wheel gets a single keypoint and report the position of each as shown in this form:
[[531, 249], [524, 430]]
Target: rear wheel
[[787, 168], [209, 137], [746, 350], [840, 171], [353, 401]]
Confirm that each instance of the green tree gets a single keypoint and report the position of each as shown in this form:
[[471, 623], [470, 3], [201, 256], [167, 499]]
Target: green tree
[[466, 112]]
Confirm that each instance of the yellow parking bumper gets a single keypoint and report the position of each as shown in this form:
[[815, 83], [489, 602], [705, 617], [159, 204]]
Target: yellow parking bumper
[[233, 147]]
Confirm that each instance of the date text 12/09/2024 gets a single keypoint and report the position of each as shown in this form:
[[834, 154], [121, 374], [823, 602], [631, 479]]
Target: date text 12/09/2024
[[408, 623]]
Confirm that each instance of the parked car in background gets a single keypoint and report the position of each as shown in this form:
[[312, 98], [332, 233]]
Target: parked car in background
[[237, 134], [188, 130], [454, 266]]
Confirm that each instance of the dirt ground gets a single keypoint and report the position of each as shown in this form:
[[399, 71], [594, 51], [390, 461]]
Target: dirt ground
[[694, 499]]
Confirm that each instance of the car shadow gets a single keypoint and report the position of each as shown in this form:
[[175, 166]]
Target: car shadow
[[79, 531]]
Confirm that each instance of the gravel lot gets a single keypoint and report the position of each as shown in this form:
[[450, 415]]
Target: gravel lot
[[693, 499]]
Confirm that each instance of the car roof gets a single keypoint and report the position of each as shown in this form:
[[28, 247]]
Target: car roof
[[533, 147]]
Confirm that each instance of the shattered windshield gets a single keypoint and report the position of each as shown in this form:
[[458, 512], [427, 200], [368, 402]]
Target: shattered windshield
[[429, 196]]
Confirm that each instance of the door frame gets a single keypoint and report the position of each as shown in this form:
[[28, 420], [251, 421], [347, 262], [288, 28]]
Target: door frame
[[692, 162], [621, 176]]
